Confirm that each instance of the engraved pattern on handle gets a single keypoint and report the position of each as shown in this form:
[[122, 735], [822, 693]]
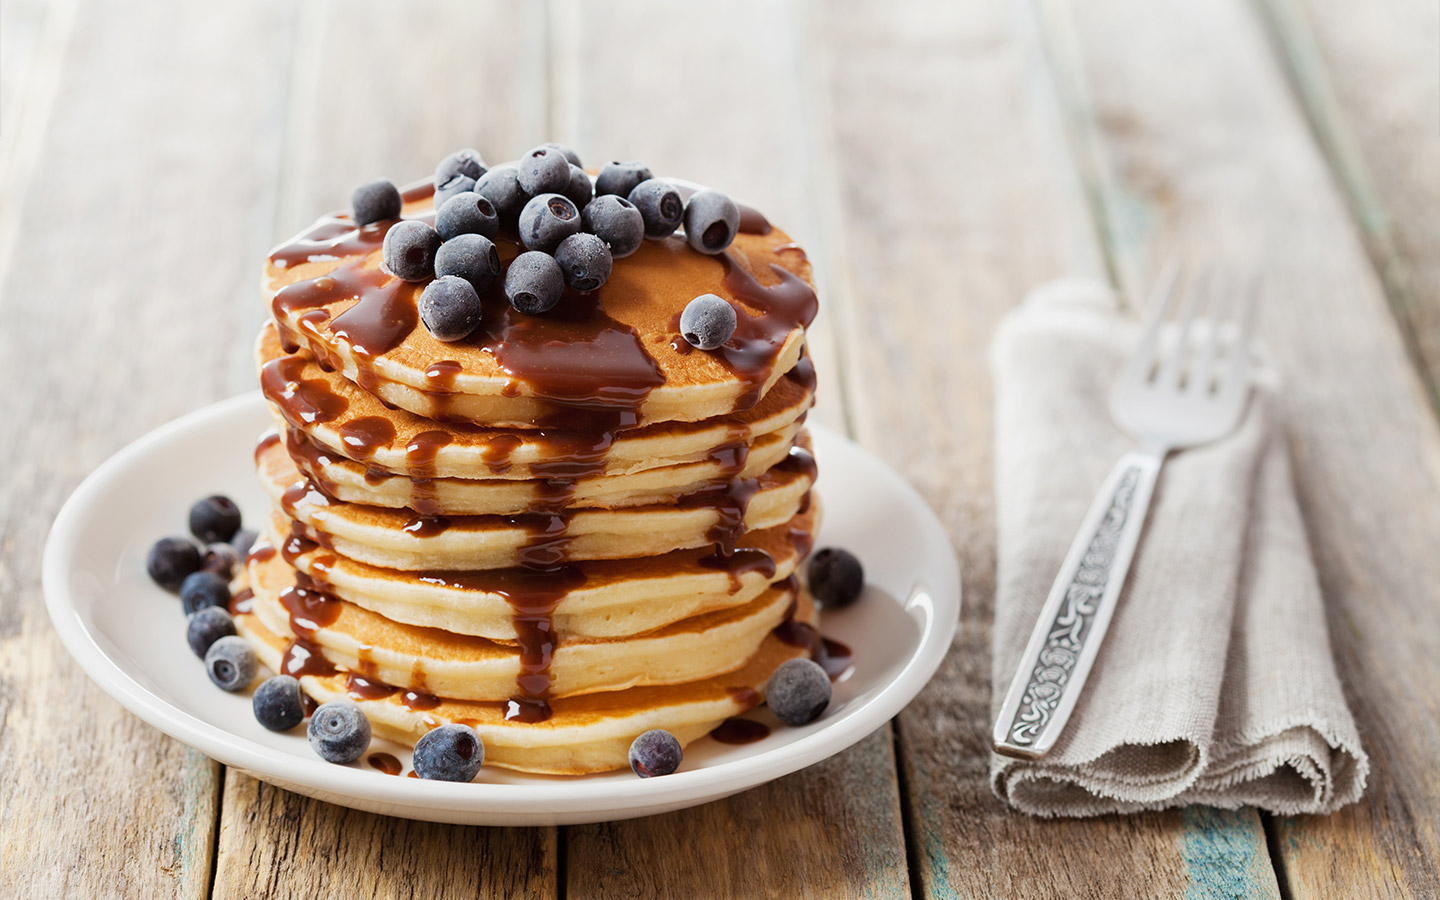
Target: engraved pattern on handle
[[1071, 627]]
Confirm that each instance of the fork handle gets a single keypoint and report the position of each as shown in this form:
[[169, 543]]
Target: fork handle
[[1072, 623]]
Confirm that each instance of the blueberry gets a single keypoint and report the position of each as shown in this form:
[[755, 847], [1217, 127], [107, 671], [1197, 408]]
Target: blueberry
[[616, 221], [620, 178], [533, 282], [798, 692], [501, 186], [231, 663], [711, 221], [202, 589], [449, 753], [409, 250], [570, 155], [278, 703], [584, 261], [374, 202], [339, 732], [170, 560], [579, 190], [660, 206], [465, 162], [707, 322], [458, 184], [836, 577], [243, 540], [547, 220], [472, 257], [449, 306], [467, 213], [214, 519], [207, 626], [656, 752], [220, 559], [543, 170]]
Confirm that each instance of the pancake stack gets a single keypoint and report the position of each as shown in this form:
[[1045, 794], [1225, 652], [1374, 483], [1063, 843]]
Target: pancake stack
[[566, 529]]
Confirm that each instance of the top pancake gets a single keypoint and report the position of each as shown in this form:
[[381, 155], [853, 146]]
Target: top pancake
[[611, 358]]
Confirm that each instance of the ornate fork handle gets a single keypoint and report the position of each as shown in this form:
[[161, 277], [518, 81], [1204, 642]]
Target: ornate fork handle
[[1072, 623]]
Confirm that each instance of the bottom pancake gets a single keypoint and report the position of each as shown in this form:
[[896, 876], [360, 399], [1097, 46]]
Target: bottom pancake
[[584, 734]]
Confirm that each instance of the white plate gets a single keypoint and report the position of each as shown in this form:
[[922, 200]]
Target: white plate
[[128, 635]]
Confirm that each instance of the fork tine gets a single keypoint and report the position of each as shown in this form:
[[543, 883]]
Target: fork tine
[[1157, 310], [1208, 342], [1236, 378], [1172, 365]]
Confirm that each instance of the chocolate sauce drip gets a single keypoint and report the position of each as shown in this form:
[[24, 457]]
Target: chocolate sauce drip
[[242, 602], [747, 697], [835, 658], [261, 552], [301, 401], [496, 452], [386, 763], [441, 375], [310, 609], [336, 236], [302, 491], [752, 221], [418, 701], [740, 731], [420, 455], [304, 658], [267, 440], [426, 526], [779, 308], [800, 461], [365, 435], [362, 688], [803, 372]]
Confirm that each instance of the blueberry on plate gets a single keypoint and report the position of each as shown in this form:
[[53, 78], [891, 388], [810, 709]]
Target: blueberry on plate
[[501, 186], [446, 190], [207, 626], [231, 663], [836, 577], [204, 589], [544, 170], [798, 691], [278, 703], [707, 322], [170, 560], [620, 178], [465, 162], [467, 213], [534, 282], [220, 558], [571, 156], [449, 306], [409, 250], [339, 732], [660, 207], [472, 257], [616, 221], [654, 753], [547, 220], [375, 201], [214, 519], [584, 261], [243, 540], [449, 753], [580, 190], [711, 221]]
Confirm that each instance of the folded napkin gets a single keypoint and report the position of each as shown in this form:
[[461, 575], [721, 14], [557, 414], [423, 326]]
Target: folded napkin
[[1215, 682]]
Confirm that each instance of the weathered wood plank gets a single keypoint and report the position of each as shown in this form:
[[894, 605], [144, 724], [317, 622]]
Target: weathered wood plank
[[123, 244], [959, 195], [1225, 165], [725, 104], [1366, 76], [385, 90]]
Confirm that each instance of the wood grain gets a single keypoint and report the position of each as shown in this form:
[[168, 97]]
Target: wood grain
[[960, 191], [355, 113], [106, 260], [725, 104], [1366, 76], [1226, 166]]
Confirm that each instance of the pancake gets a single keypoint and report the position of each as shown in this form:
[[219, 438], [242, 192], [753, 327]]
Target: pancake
[[605, 598], [349, 481], [336, 414], [398, 539], [586, 733], [391, 655], [612, 358]]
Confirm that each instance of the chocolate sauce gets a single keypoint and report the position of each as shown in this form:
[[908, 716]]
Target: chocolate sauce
[[441, 375], [740, 731], [304, 658], [310, 609], [362, 688], [243, 602], [419, 701], [803, 372], [301, 401], [745, 696], [365, 435], [267, 440], [752, 221], [496, 452], [309, 704], [740, 562], [420, 455], [779, 308], [835, 658], [262, 553], [426, 526], [385, 763]]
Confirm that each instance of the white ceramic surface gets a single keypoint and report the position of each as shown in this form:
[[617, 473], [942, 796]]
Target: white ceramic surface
[[128, 635]]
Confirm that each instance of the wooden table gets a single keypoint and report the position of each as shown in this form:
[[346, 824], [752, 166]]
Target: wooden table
[[936, 159]]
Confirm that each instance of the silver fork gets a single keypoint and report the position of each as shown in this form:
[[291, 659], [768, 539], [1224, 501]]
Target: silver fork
[[1170, 395]]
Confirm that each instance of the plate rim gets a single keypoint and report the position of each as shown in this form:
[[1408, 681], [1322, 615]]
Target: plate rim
[[617, 799]]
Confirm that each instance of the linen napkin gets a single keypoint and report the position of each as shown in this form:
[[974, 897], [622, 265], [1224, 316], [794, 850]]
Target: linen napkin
[[1215, 682]]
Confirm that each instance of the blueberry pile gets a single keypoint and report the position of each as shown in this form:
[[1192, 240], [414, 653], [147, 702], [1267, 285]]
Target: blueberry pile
[[573, 230]]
